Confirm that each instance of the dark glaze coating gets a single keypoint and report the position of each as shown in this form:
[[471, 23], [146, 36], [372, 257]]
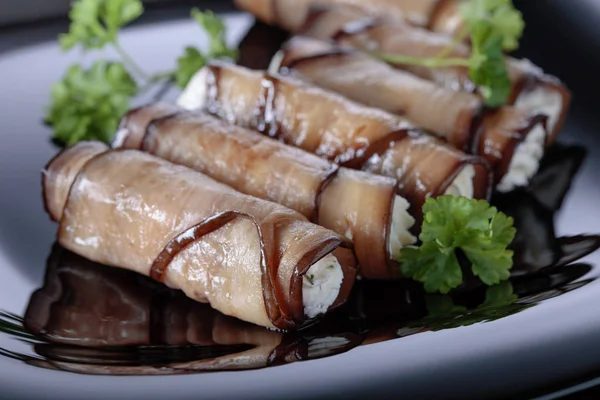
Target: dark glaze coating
[[349, 202], [284, 309], [280, 106]]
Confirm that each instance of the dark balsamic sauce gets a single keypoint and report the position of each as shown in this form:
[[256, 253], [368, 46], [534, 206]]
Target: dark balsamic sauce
[[89, 318]]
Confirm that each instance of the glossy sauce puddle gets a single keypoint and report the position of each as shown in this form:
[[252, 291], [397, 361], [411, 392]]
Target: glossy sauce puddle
[[89, 318]]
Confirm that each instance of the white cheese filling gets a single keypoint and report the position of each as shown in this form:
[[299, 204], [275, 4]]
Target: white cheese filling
[[402, 221], [542, 101], [462, 185], [321, 285], [194, 94], [525, 161]]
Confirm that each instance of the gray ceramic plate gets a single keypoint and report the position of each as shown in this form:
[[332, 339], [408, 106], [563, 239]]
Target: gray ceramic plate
[[551, 338]]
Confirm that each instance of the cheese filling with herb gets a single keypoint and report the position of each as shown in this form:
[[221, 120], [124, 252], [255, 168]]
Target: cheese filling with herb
[[525, 161], [321, 285]]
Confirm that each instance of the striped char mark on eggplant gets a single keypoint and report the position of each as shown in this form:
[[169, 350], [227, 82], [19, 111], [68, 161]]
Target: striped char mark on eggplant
[[323, 123], [459, 118], [532, 90]]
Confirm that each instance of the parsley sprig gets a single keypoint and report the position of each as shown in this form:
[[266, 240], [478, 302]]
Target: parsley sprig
[[193, 59], [451, 223], [89, 103], [494, 26]]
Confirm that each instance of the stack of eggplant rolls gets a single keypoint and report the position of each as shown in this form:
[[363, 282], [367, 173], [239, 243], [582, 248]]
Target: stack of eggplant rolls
[[266, 193]]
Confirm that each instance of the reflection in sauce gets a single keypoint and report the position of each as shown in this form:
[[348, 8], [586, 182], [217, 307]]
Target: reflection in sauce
[[92, 319], [533, 208]]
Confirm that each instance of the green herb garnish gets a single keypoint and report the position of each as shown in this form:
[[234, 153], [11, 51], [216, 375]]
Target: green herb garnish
[[494, 26], [455, 222], [193, 59], [88, 104], [311, 278]]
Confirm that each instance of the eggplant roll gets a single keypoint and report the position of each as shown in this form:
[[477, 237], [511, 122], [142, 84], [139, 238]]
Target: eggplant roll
[[98, 320], [510, 139], [532, 89], [437, 15], [291, 14], [249, 258], [361, 206], [337, 129]]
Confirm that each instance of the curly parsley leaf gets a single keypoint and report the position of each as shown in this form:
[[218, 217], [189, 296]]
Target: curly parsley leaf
[[95, 23], [88, 104], [435, 266], [455, 222], [499, 17]]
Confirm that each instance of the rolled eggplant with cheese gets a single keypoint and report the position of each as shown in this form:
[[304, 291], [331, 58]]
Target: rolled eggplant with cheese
[[436, 15], [510, 139], [361, 206], [291, 14], [249, 258], [93, 319], [532, 89], [336, 129]]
